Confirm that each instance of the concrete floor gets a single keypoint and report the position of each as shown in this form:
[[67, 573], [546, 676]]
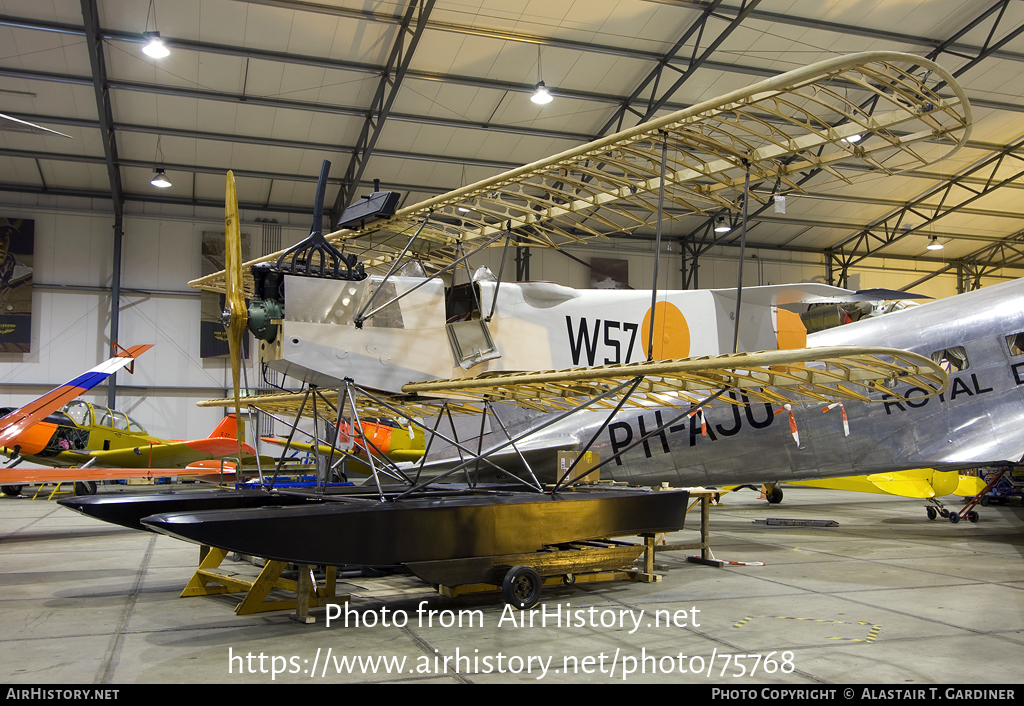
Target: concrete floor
[[885, 597]]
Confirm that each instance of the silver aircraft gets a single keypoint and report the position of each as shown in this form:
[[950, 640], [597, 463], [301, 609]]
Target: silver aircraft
[[977, 337]]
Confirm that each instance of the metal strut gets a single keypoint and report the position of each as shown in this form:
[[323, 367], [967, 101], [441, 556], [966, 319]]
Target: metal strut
[[657, 245], [447, 267], [433, 432], [358, 319], [608, 393], [636, 382]]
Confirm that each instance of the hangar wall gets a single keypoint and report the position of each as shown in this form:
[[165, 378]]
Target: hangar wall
[[161, 253]]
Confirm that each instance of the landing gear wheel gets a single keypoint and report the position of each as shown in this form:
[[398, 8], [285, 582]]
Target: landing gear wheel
[[11, 490], [973, 516], [87, 487], [954, 517], [569, 579], [932, 513], [521, 587], [773, 495]]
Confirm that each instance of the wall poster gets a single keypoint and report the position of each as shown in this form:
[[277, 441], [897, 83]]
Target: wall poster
[[606, 273], [17, 242]]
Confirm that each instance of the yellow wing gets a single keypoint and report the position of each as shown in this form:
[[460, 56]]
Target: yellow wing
[[918, 483]]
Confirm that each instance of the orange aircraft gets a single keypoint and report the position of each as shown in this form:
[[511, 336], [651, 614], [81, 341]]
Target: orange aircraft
[[84, 443]]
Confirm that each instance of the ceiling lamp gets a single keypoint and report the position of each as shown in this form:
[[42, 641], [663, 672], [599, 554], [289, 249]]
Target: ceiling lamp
[[160, 179], [541, 94], [934, 244], [156, 47], [722, 226], [853, 138]]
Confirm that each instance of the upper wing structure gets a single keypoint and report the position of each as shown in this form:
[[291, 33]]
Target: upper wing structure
[[874, 112]]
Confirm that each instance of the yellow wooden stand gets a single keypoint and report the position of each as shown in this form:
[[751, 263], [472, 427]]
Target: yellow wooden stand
[[207, 581], [56, 491]]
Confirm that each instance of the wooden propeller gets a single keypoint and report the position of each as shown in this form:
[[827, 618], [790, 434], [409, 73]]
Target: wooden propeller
[[234, 316]]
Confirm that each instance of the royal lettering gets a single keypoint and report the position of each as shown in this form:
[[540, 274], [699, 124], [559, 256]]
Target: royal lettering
[[958, 387], [1018, 373]]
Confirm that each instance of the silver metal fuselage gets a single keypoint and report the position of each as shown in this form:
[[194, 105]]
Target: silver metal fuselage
[[979, 420]]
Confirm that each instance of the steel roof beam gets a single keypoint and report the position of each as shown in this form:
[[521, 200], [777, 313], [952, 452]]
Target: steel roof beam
[[308, 60], [844, 29], [832, 255], [329, 147], [813, 251], [653, 79], [850, 30], [197, 169], [402, 51], [101, 87], [222, 96], [889, 229]]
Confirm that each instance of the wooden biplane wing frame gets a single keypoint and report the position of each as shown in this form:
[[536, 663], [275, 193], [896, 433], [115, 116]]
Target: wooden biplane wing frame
[[880, 110]]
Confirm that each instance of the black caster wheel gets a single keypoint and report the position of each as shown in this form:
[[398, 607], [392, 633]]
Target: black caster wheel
[[973, 516], [954, 518], [87, 487], [521, 587]]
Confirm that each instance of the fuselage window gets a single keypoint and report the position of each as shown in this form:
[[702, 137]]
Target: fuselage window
[[952, 360], [1015, 342], [103, 417], [120, 420], [79, 412]]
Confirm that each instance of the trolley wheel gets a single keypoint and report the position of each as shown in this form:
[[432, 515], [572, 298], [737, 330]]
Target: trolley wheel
[[973, 516], [87, 487], [932, 513], [11, 490], [521, 587], [773, 495], [954, 518], [569, 579], [944, 513]]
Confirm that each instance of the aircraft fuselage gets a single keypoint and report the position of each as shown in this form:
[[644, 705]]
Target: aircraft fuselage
[[978, 420]]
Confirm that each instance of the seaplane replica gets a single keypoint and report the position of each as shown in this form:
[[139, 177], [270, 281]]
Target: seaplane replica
[[665, 387]]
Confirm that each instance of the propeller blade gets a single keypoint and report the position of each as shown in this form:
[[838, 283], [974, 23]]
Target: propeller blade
[[236, 316]]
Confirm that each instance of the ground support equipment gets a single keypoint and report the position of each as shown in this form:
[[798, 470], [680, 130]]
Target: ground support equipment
[[705, 496], [967, 511], [520, 577], [208, 581]]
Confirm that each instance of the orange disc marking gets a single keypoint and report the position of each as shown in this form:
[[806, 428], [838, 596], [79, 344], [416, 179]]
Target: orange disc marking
[[671, 334]]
